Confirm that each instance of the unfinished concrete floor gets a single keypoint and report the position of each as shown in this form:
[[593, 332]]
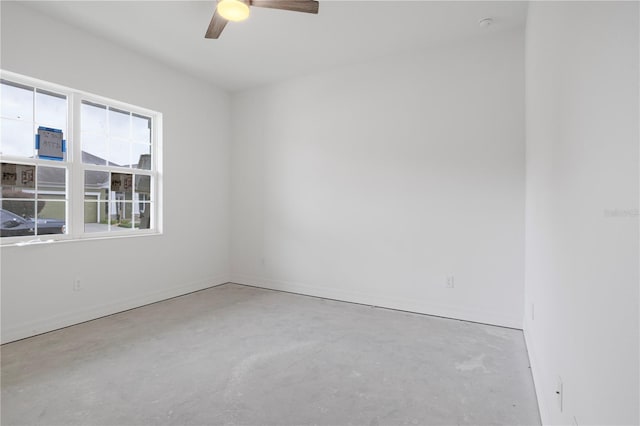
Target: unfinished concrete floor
[[239, 355]]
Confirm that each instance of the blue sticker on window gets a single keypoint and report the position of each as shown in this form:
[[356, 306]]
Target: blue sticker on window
[[50, 143]]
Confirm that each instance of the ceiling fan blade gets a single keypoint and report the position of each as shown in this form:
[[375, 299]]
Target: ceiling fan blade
[[215, 26], [307, 6]]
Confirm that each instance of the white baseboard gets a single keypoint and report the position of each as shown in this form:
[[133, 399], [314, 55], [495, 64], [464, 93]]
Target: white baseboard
[[409, 305], [538, 380], [43, 325]]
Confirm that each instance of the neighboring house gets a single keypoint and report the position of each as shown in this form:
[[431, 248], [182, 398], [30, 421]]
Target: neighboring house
[[123, 204]]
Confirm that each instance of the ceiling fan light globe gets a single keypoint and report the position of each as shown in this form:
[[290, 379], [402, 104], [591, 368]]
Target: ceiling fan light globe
[[233, 10]]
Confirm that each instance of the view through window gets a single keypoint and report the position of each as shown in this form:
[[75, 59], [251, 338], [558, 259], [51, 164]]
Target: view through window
[[45, 148]]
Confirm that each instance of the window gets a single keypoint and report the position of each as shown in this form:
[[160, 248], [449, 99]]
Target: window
[[116, 158], [75, 165]]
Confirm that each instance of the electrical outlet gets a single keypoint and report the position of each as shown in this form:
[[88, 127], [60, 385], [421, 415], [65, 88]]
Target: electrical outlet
[[76, 284], [559, 393], [450, 282]]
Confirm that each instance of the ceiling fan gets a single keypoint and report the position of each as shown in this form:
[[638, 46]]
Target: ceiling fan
[[238, 10]]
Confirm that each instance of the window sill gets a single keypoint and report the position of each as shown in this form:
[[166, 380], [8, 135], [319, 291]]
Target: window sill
[[46, 239]]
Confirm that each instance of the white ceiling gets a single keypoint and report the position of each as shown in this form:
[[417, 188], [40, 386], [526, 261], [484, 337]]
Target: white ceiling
[[273, 45]]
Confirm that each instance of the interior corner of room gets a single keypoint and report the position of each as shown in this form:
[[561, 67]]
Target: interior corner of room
[[488, 175]]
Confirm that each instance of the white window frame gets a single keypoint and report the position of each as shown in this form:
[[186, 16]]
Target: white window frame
[[75, 186]]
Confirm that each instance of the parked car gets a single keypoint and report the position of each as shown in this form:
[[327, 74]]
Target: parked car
[[12, 225]]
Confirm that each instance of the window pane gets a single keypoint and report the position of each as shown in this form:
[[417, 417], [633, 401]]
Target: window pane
[[16, 101], [119, 124], [17, 138], [52, 218], [96, 216], [120, 213], [143, 188], [93, 118], [94, 149], [124, 215], [18, 197], [51, 111], [141, 128], [18, 204], [143, 215], [119, 153], [141, 156], [121, 186], [14, 218], [96, 185], [18, 176], [51, 183]]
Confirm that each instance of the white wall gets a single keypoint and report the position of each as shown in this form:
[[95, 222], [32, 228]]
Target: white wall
[[118, 274], [373, 182], [582, 209]]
